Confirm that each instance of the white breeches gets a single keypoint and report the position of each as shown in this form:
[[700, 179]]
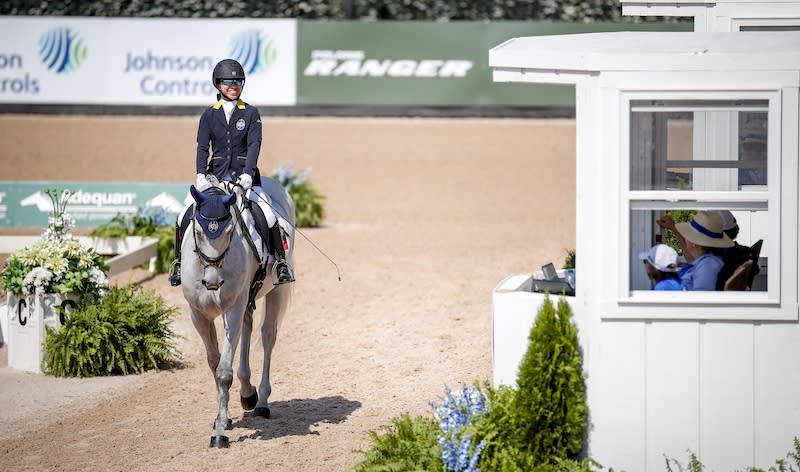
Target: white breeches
[[256, 194]]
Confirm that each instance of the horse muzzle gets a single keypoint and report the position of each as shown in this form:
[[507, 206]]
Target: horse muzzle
[[212, 279], [212, 285]]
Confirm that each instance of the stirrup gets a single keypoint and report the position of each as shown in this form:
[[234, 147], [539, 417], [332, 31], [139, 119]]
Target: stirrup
[[175, 273], [276, 280]]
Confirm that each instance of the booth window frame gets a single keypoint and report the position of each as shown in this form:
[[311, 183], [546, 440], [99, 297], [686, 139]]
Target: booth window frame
[[779, 301]]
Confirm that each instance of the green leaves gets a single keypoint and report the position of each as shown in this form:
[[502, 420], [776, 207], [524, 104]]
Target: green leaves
[[126, 332], [307, 199], [408, 444], [540, 425], [148, 222]]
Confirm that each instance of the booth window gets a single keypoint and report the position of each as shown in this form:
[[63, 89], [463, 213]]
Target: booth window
[[701, 154]]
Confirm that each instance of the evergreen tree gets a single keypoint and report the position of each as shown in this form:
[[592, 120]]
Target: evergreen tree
[[550, 403]]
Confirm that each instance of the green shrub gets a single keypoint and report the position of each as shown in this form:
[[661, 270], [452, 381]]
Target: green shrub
[[680, 216], [569, 260], [790, 464], [436, 10], [542, 422], [538, 426], [307, 199], [126, 332], [148, 222], [408, 444]]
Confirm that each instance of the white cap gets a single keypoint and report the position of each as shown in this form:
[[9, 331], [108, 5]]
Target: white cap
[[662, 257], [728, 221]]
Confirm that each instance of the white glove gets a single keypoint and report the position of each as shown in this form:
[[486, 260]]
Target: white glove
[[202, 182], [212, 179], [245, 181]]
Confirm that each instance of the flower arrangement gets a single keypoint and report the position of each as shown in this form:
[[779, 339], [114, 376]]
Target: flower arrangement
[[307, 200], [57, 263]]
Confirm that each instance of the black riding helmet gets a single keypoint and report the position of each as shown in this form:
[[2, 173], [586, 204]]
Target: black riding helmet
[[226, 69]]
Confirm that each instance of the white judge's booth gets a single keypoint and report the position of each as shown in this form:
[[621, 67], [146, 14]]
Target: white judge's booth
[[703, 120]]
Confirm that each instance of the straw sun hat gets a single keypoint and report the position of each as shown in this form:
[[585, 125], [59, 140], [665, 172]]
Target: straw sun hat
[[705, 230]]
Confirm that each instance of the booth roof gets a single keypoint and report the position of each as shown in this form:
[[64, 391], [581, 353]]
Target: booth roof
[[651, 51]]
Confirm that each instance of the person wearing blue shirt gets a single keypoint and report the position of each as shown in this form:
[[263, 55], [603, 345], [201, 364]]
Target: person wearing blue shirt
[[661, 265], [699, 240]]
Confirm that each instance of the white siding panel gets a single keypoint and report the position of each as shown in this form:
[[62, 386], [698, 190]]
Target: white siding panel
[[777, 395], [616, 396], [726, 395], [672, 391]]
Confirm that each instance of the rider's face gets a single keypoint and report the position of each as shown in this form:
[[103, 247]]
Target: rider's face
[[231, 91]]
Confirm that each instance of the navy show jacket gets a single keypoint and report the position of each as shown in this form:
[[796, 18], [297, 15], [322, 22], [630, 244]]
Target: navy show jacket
[[235, 144]]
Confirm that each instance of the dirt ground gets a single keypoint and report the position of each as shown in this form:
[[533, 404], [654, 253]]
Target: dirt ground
[[424, 218]]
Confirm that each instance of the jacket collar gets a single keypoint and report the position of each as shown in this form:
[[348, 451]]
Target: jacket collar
[[239, 104]]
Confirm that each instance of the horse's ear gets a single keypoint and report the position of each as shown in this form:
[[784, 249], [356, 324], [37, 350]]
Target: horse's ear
[[228, 200], [198, 197]]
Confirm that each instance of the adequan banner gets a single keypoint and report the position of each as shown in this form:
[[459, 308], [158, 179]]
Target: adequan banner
[[142, 61], [25, 204]]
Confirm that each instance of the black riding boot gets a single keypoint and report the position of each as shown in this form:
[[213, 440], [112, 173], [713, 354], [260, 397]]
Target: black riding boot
[[175, 277], [284, 273]]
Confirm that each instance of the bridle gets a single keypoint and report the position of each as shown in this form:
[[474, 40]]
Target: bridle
[[207, 260]]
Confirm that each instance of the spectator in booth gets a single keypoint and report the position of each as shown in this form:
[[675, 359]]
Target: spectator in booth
[[699, 239], [661, 265], [735, 255]]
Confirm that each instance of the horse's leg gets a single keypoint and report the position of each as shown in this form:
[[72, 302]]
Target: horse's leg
[[233, 328], [208, 333], [276, 302], [249, 396]]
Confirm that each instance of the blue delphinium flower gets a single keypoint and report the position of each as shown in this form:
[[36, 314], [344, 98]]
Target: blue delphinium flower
[[455, 416], [160, 218]]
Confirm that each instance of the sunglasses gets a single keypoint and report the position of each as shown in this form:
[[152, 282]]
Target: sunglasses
[[229, 82]]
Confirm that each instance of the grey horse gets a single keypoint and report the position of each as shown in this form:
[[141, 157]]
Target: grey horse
[[219, 264]]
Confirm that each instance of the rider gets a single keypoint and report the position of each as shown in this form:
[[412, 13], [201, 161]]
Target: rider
[[233, 128]]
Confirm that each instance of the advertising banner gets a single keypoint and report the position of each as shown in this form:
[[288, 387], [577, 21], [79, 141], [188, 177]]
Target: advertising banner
[[25, 204], [142, 61], [425, 63]]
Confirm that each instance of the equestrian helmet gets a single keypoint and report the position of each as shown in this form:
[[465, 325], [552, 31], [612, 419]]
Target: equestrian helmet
[[227, 69]]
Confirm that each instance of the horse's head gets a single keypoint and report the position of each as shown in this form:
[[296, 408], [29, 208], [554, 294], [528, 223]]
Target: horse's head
[[212, 233]]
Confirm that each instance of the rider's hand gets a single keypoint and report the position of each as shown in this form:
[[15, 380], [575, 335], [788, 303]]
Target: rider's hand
[[245, 181], [212, 179], [667, 222], [202, 182]]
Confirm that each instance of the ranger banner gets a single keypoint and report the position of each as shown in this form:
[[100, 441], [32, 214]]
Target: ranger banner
[[425, 64], [25, 204]]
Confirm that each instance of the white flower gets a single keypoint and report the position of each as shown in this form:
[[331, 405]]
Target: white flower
[[36, 281], [98, 277]]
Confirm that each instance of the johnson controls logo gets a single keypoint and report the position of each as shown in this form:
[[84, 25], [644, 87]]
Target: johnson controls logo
[[62, 50], [255, 51]]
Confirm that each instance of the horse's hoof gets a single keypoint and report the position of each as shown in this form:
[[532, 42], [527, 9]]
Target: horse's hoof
[[262, 412], [248, 403], [220, 442]]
